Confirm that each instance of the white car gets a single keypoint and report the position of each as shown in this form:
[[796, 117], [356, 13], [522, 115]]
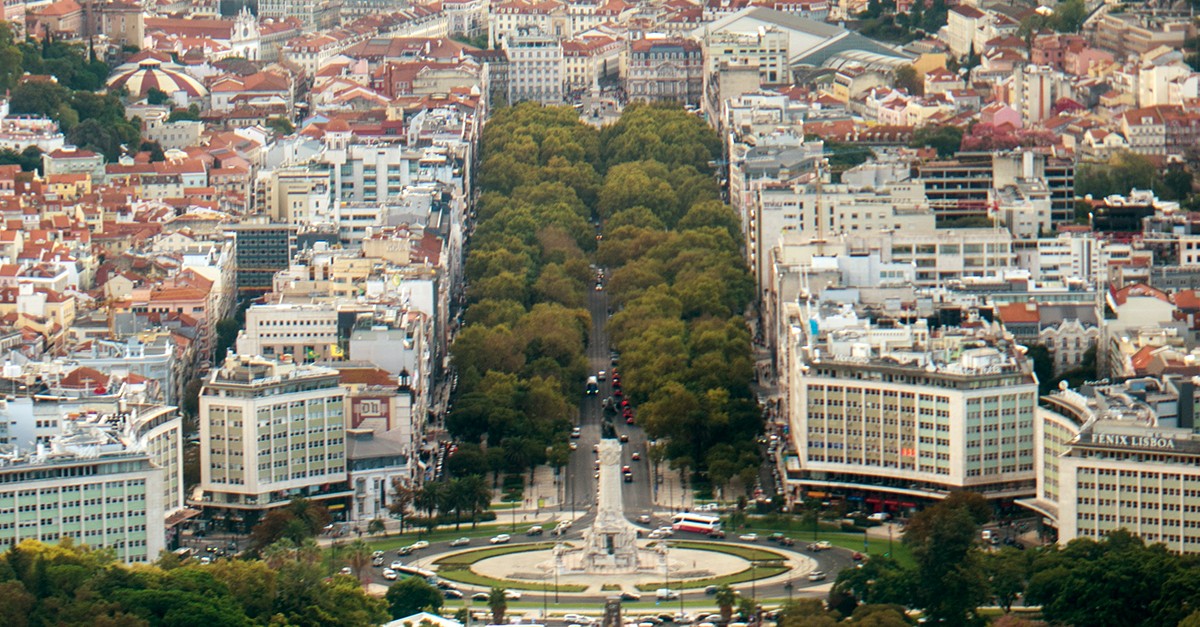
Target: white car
[[748, 537], [577, 619], [816, 575], [500, 539], [666, 531], [460, 542], [389, 574], [666, 594], [397, 565], [377, 554], [346, 571], [512, 595], [418, 545]]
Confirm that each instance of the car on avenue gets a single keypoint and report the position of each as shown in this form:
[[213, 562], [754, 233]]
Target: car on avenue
[[479, 596], [500, 539], [418, 545], [817, 575], [452, 594], [665, 594], [823, 545], [389, 574], [460, 542], [396, 565], [512, 595], [748, 537], [630, 596]]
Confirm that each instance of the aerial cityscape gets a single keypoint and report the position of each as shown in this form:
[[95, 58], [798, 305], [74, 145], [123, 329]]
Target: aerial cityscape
[[600, 313]]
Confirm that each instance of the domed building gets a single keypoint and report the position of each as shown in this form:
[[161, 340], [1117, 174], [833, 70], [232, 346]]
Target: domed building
[[150, 70]]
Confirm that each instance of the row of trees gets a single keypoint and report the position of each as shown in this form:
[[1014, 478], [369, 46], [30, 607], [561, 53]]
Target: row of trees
[[680, 288], [465, 497], [74, 585], [520, 355]]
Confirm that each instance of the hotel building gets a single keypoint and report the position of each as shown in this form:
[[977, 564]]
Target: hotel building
[[271, 431], [890, 414]]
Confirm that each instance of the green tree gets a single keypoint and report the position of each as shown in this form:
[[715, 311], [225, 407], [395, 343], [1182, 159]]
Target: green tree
[[907, 78], [281, 126], [411, 596], [11, 58], [298, 520], [950, 583], [1007, 572], [1043, 367], [1068, 16], [498, 603], [38, 98], [358, 557], [945, 139], [402, 499], [725, 598], [376, 526], [155, 96]]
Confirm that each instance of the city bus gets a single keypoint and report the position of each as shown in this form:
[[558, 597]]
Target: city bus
[[696, 523]]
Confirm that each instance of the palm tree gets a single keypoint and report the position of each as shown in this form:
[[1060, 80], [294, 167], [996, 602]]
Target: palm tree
[[499, 604], [725, 599], [359, 558]]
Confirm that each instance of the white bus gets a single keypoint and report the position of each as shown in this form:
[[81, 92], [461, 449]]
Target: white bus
[[696, 523]]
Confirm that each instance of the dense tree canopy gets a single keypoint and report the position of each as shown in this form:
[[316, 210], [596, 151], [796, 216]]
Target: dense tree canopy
[[73, 585], [675, 279]]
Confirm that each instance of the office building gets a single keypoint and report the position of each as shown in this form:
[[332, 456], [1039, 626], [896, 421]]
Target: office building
[[270, 431], [886, 415]]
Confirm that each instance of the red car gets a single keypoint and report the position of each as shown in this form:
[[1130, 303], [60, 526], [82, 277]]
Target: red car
[[618, 393]]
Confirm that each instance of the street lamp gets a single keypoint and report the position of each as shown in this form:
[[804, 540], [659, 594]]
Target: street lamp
[[789, 586]]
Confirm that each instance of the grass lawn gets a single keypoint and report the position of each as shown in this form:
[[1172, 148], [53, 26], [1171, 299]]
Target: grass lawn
[[761, 572], [802, 533], [747, 553], [458, 568], [875, 546]]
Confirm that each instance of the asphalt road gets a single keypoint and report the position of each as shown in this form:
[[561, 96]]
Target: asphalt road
[[581, 481]]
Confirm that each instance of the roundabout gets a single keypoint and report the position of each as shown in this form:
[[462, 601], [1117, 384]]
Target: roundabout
[[688, 565], [612, 555]]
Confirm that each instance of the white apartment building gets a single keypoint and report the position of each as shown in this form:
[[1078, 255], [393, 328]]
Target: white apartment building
[[1108, 463], [307, 333], [270, 431], [1035, 89], [767, 49], [952, 254], [88, 485], [887, 416], [535, 63], [811, 212]]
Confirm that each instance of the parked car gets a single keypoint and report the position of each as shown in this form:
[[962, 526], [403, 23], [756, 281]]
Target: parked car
[[500, 539], [389, 574], [748, 537], [460, 542]]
